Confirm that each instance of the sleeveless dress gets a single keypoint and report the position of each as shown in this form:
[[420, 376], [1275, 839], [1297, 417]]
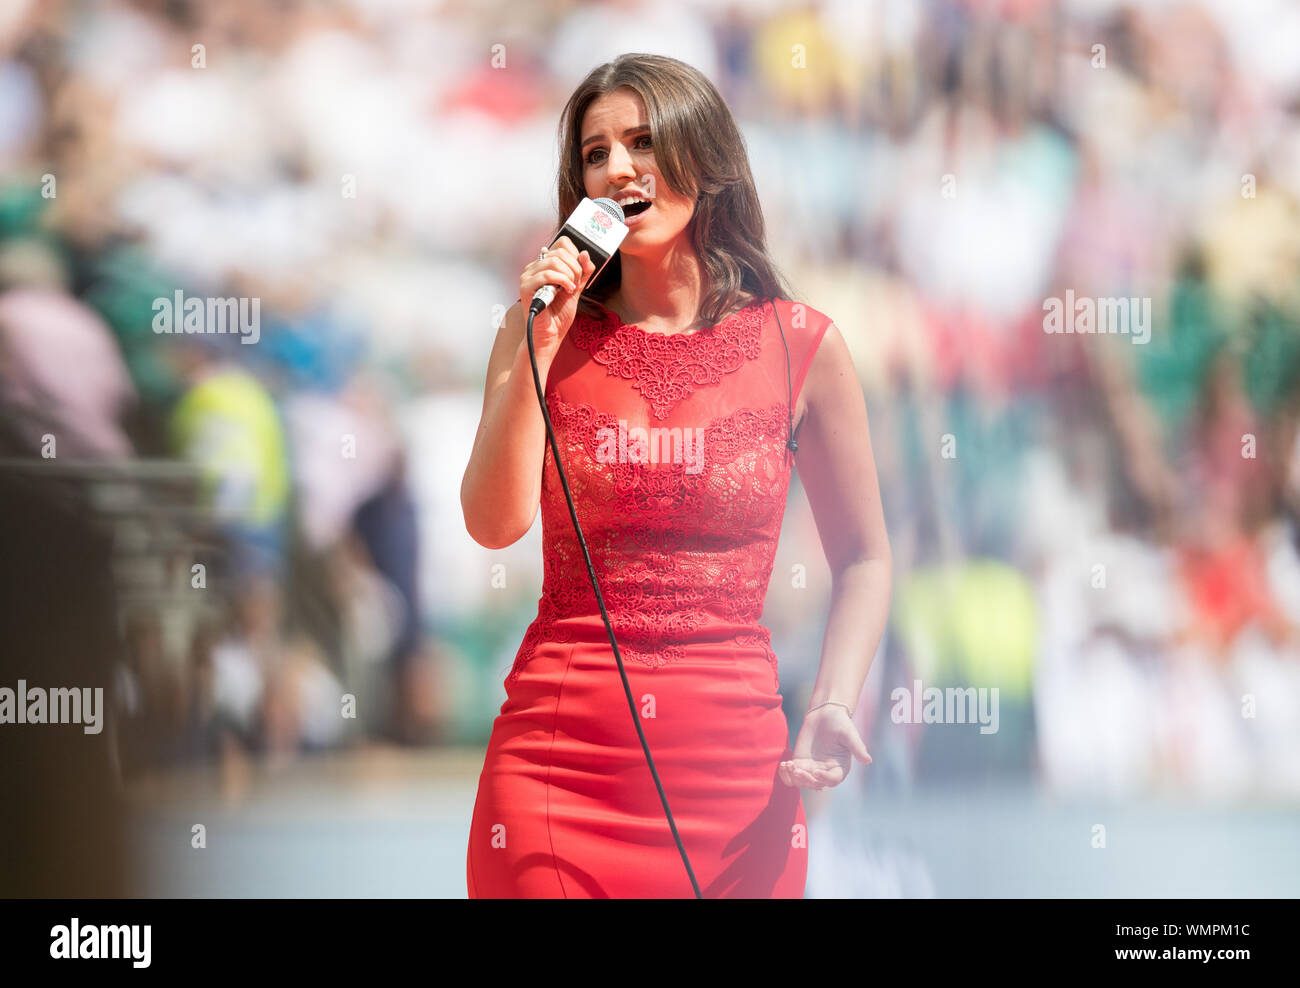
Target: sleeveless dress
[[681, 520]]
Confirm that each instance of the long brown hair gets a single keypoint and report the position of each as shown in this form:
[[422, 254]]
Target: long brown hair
[[700, 153]]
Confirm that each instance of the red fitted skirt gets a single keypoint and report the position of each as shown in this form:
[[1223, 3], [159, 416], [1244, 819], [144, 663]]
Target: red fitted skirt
[[567, 807]]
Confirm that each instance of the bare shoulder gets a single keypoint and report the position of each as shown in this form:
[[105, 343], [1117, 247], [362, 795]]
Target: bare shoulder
[[830, 370]]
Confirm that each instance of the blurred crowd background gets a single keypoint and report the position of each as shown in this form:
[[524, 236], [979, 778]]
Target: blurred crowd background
[[1103, 529]]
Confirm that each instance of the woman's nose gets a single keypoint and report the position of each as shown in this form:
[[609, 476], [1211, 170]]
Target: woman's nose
[[620, 165]]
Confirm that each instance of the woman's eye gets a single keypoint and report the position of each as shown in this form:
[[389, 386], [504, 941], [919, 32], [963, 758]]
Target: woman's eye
[[591, 158]]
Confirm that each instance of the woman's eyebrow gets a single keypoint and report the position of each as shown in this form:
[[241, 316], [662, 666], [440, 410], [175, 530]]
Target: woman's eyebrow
[[629, 131]]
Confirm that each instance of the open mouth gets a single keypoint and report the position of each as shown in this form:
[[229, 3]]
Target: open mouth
[[635, 208]]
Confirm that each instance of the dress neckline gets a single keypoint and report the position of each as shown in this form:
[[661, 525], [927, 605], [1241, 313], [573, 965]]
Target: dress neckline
[[664, 369], [613, 317]]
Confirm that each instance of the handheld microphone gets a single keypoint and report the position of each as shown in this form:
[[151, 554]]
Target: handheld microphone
[[596, 226]]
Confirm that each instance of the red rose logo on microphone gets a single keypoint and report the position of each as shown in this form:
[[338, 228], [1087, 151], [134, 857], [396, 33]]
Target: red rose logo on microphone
[[601, 221]]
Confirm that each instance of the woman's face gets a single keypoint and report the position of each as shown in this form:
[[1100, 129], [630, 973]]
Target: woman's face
[[617, 158]]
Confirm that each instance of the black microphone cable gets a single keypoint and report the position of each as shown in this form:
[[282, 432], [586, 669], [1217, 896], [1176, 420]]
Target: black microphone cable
[[600, 600], [790, 444]]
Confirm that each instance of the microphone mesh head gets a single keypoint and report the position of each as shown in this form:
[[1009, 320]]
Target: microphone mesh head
[[611, 207]]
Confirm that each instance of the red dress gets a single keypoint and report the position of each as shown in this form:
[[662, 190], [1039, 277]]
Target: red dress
[[683, 536]]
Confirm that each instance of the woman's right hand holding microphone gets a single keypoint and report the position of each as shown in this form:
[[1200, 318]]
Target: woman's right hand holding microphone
[[569, 270]]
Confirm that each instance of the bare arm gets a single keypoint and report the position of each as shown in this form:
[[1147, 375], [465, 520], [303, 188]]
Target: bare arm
[[838, 471], [502, 488]]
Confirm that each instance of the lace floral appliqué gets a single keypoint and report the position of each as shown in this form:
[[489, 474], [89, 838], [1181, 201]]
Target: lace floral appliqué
[[668, 368], [674, 550]]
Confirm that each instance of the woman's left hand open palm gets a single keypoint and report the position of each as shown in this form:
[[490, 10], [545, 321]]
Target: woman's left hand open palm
[[824, 750]]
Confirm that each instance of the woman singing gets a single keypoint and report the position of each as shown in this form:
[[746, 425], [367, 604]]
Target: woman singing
[[680, 383]]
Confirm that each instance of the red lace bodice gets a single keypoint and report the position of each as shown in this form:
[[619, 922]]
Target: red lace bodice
[[674, 449]]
